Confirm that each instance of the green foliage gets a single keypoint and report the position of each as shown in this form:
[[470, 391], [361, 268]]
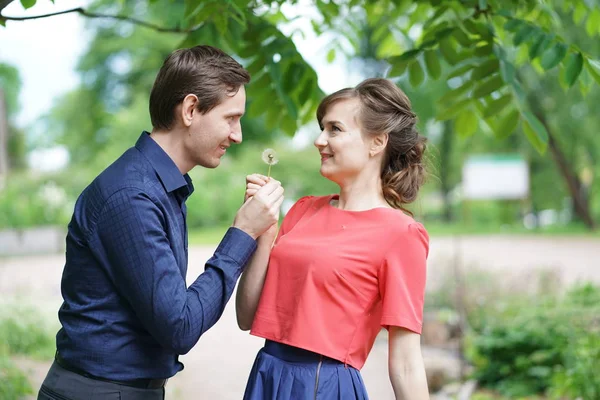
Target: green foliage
[[475, 41], [538, 346], [33, 201], [24, 332], [13, 382]]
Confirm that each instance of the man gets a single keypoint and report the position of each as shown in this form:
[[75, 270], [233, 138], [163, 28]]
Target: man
[[127, 313]]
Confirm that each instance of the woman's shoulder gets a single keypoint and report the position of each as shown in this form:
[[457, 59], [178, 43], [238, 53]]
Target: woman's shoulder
[[312, 201], [400, 223]]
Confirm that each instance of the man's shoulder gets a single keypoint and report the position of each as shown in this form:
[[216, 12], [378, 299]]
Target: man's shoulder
[[131, 171]]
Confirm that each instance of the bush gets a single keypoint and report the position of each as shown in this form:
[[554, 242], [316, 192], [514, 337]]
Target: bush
[[545, 346], [13, 382], [22, 331]]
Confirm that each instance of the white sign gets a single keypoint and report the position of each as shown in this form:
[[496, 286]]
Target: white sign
[[495, 176]]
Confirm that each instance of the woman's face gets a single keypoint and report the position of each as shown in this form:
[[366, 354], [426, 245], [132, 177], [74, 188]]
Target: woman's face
[[343, 147]]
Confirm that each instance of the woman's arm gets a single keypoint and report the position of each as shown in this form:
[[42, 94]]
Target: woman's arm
[[407, 371], [252, 280], [253, 277]]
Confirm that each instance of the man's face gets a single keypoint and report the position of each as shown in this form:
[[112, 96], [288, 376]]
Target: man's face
[[212, 133]]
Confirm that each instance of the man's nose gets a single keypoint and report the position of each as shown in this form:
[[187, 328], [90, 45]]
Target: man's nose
[[236, 135]]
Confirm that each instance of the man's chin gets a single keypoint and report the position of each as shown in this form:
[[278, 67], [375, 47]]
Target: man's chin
[[212, 164]]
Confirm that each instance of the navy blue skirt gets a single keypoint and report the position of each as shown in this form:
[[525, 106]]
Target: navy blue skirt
[[282, 372]]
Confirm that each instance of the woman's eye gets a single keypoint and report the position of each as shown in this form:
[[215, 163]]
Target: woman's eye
[[335, 128]]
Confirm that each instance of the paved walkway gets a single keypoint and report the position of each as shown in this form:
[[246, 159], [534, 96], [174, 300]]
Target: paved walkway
[[218, 366]]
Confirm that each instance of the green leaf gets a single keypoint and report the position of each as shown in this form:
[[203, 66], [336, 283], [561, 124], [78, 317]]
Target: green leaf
[[484, 51], [451, 111], [448, 52], [28, 3], [471, 26], [519, 93], [482, 4], [415, 73], [288, 125], [461, 37], [489, 86], [507, 71], [466, 123], [256, 66], [432, 62], [553, 56], [504, 13], [409, 55], [2, 21], [444, 33], [307, 90], [513, 24], [573, 68], [579, 13], [496, 106], [591, 25], [455, 94], [540, 45], [593, 67], [292, 76], [331, 55], [398, 69], [486, 69], [507, 125], [264, 81], [535, 131], [461, 70], [523, 34]]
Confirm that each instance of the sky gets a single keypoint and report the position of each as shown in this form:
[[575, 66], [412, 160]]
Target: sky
[[45, 51]]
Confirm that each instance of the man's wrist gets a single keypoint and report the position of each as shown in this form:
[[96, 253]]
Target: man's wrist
[[246, 230]]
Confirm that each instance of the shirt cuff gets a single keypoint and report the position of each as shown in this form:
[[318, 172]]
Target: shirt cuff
[[237, 245]]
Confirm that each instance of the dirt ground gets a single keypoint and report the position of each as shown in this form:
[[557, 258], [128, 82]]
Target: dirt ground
[[217, 368]]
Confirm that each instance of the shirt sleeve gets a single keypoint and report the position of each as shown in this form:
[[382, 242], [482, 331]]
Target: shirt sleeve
[[130, 235], [402, 277], [294, 215]]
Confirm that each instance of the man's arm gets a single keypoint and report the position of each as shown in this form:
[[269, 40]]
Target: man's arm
[[131, 232]]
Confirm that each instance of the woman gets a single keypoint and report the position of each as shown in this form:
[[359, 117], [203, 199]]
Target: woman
[[344, 265]]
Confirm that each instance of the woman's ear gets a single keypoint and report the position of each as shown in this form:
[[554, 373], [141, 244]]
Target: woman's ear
[[378, 144], [188, 108]]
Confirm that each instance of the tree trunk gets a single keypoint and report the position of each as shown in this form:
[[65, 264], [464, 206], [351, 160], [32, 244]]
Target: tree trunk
[[3, 139], [581, 203], [445, 154]]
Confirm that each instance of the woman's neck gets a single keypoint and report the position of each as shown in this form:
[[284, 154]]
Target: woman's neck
[[361, 194]]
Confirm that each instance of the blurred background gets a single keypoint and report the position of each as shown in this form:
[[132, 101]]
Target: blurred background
[[507, 93]]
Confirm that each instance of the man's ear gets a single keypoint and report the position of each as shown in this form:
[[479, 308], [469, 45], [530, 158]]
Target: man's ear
[[378, 144], [188, 108]]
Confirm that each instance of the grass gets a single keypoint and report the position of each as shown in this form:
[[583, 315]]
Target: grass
[[13, 382], [23, 331]]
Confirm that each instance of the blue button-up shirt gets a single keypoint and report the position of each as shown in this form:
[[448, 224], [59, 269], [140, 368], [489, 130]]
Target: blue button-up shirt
[[127, 312]]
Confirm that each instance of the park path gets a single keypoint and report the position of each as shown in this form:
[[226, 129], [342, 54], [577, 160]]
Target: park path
[[219, 364]]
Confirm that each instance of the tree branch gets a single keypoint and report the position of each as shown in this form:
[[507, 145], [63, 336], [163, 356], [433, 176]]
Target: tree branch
[[88, 14], [4, 3]]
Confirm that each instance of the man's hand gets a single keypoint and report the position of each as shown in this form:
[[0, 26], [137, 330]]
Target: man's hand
[[260, 210]]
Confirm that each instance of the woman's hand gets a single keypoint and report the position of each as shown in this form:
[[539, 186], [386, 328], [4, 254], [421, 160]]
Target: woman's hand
[[253, 183]]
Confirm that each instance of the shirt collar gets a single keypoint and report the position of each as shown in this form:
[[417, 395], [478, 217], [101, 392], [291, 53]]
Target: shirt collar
[[165, 168]]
